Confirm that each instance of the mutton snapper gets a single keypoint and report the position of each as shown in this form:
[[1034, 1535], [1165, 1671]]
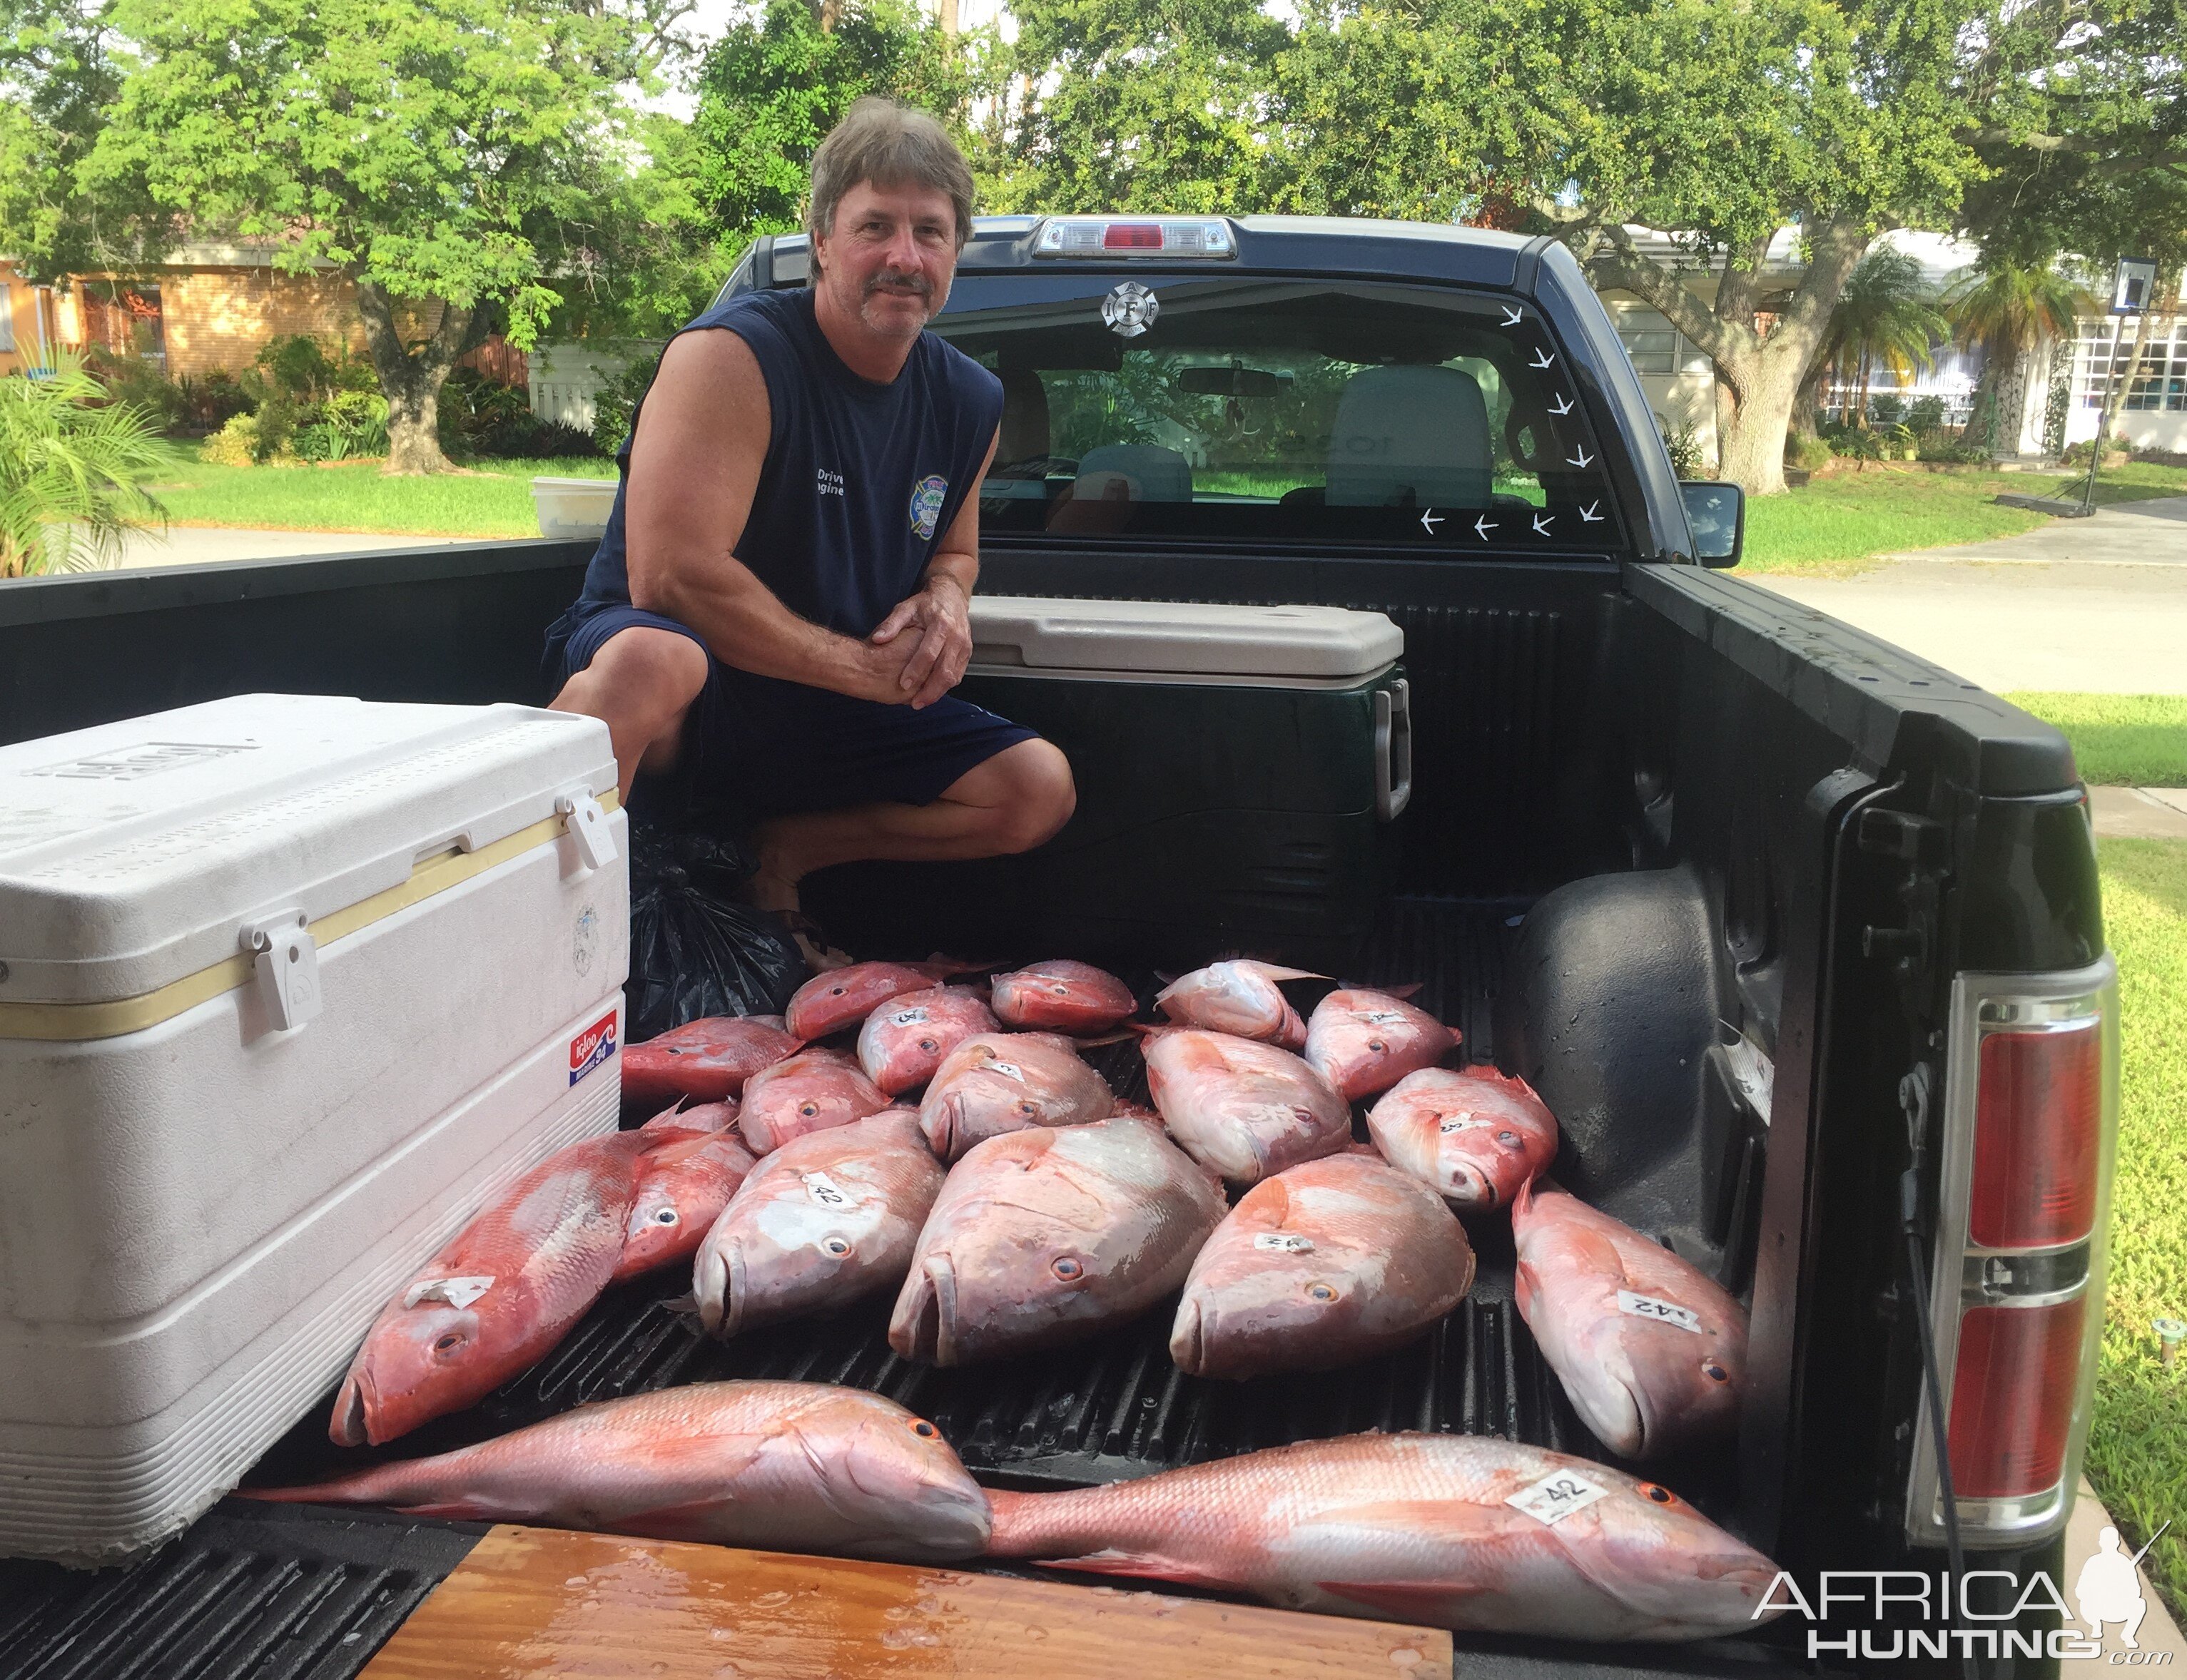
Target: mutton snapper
[[794, 1467], [812, 1091], [1049, 1235], [841, 997], [1326, 1263], [1061, 996], [994, 1082], [901, 1044], [1474, 1134], [1243, 1108], [705, 1060], [683, 1186], [1364, 1042], [498, 1297], [1240, 997], [827, 1219], [1451, 1531], [1652, 1353]]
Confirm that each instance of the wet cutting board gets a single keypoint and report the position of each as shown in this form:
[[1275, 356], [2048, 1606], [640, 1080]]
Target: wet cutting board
[[538, 1601]]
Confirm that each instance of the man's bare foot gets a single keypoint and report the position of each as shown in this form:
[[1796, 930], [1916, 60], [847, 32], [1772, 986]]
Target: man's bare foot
[[769, 890]]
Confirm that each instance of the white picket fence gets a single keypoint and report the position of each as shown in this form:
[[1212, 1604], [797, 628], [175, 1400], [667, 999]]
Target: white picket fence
[[566, 379]]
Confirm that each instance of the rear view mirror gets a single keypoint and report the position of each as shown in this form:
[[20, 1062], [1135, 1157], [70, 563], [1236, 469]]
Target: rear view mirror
[[1716, 513], [1232, 381]]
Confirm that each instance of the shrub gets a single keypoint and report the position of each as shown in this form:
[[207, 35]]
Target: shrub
[[1807, 451], [615, 406], [1886, 410], [133, 380], [1936, 444], [1855, 444], [1684, 445], [212, 400], [1926, 415], [347, 424], [71, 463], [234, 445]]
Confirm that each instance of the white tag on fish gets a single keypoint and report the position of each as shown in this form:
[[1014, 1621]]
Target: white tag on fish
[[1008, 1069], [825, 1190], [1381, 1018], [1662, 1311], [907, 1018], [1556, 1495], [457, 1292], [1283, 1241], [1459, 1122]]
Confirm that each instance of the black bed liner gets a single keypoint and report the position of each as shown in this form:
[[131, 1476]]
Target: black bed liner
[[305, 1592]]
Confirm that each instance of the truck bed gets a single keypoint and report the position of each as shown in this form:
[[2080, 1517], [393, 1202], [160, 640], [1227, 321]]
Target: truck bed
[[303, 1593]]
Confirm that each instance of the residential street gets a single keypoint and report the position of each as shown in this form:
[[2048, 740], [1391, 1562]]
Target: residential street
[[2097, 604]]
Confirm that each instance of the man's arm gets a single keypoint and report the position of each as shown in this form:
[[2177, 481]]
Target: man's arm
[[942, 612], [695, 467]]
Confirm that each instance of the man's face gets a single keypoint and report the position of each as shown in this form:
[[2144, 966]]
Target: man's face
[[891, 257]]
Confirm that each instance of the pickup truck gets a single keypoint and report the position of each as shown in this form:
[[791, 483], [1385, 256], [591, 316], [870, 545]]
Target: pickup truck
[[1796, 934]]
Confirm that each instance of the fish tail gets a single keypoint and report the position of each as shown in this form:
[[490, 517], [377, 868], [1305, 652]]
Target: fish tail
[[408, 1484], [1039, 1525]]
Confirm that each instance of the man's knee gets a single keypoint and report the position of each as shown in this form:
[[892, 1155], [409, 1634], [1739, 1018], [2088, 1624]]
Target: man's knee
[[1041, 797], [647, 674]]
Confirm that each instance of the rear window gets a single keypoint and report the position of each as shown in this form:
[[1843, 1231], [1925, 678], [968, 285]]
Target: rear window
[[1265, 410]]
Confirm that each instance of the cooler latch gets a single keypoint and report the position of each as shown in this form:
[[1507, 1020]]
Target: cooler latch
[[285, 960], [587, 821]]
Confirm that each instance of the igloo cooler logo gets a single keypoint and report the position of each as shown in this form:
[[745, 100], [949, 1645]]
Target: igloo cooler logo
[[592, 1046]]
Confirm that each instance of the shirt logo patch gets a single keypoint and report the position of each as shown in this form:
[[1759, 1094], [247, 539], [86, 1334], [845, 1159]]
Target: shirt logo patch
[[828, 483], [926, 504]]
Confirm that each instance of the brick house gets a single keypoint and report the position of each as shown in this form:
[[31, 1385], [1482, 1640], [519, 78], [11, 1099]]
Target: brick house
[[212, 305]]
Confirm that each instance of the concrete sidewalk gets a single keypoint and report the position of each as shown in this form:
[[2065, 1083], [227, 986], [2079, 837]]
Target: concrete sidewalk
[[199, 545], [2097, 604], [2139, 813]]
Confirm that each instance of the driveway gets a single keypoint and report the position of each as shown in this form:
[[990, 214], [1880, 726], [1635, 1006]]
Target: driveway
[[2098, 604]]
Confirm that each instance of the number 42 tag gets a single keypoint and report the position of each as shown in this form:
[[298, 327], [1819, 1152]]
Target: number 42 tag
[[1662, 1311], [1556, 1495]]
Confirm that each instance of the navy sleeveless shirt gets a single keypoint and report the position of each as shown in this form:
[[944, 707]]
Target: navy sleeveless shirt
[[860, 480]]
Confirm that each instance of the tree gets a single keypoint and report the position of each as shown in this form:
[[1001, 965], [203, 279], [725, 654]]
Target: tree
[[61, 67], [1885, 317], [72, 467], [772, 88], [2006, 307], [438, 153], [1722, 126]]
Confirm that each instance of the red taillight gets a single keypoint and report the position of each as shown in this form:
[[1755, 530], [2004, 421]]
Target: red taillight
[[1132, 236], [2038, 1122], [2012, 1397]]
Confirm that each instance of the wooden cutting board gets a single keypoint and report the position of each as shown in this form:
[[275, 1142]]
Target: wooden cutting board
[[543, 1601]]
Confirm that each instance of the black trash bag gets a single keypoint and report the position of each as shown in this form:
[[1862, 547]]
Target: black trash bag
[[695, 949]]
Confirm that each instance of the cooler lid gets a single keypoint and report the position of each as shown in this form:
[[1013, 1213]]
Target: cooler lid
[[133, 854], [1183, 637]]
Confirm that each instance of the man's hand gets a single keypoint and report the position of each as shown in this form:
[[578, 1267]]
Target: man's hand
[[942, 648]]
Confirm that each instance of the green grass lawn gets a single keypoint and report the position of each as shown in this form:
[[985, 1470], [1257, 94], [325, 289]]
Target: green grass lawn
[[1837, 523], [2137, 1458], [2120, 741], [494, 499]]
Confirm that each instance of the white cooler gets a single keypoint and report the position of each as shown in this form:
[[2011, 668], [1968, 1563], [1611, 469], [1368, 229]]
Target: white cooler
[[289, 986]]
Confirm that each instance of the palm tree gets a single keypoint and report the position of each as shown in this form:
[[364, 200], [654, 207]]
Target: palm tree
[[1887, 314], [70, 466], [2008, 307]]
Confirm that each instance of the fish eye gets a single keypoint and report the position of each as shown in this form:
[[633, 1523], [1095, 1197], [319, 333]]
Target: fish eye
[[1028, 1109], [1714, 1371], [838, 1246], [836, 991], [666, 1216], [449, 1343], [808, 1109], [1067, 1268], [1321, 1292], [675, 1050], [1660, 1494], [1058, 988], [923, 1429], [1377, 1046], [1510, 1140], [928, 1045]]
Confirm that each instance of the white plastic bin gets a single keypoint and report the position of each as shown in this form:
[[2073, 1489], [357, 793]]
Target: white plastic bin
[[202, 1207], [576, 508]]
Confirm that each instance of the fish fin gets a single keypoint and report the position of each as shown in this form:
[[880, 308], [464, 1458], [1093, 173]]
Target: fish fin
[[686, 1304], [1122, 1035], [1426, 1603], [1148, 1565], [1273, 971]]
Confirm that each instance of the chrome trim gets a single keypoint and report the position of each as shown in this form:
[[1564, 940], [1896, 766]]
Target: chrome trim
[[1983, 1004]]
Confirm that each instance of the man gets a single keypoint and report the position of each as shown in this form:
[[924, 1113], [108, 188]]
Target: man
[[778, 610]]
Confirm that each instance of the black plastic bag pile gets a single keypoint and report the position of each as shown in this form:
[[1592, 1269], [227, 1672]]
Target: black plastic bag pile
[[695, 949]]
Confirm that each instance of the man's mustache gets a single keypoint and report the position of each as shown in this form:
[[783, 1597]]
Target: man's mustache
[[890, 280]]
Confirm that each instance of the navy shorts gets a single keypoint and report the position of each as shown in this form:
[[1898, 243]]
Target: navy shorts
[[757, 746]]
